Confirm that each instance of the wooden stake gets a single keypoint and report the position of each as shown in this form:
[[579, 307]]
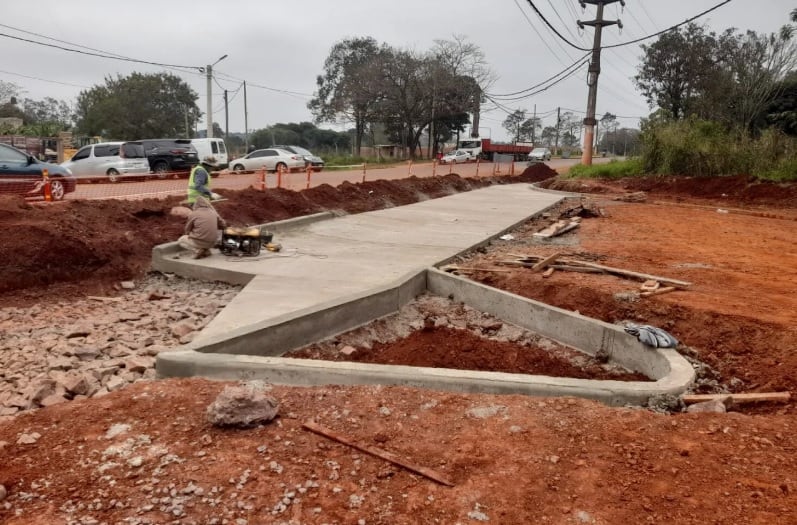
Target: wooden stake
[[105, 299], [378, 452], [547, 273], [779, 397], [545, 262]]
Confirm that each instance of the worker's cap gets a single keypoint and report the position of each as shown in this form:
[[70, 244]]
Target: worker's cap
[[210, 161]]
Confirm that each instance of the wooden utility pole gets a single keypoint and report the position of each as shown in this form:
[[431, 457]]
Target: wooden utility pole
[[246, 122], [594, 71], [226, 117], [558, 123]]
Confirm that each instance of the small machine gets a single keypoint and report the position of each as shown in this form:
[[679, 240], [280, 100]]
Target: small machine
[[244, 241]]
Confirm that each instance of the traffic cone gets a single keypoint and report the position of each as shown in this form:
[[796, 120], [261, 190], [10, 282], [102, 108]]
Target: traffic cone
[[48, 191]]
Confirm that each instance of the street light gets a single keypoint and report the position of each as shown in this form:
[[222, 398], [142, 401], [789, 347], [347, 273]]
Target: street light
[[209, 71]]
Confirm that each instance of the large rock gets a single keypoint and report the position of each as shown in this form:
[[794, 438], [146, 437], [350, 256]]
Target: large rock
[[243, 405], [719, 406], [139, 364], [181, 329], [40, 390]]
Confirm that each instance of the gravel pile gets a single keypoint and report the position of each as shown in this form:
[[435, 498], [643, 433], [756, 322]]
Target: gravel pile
[[53, 353]]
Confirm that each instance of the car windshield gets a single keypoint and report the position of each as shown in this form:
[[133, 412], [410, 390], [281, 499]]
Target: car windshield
[[300, 151]]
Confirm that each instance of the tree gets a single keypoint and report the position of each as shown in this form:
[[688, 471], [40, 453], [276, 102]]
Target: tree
[[782, 110], [138, 106], [677, 68], [513, 122], [348, 88], [47, 110]]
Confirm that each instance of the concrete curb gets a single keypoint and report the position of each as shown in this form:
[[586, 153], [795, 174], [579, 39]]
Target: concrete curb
[[216, 357]]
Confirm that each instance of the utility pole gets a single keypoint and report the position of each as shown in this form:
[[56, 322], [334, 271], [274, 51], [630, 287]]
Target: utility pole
[[558, 123], [209, 72], [209, 118], [226, 117], [246, 122], [594, 71]]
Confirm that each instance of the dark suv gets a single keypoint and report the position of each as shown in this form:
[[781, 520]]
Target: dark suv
[[170, 156]]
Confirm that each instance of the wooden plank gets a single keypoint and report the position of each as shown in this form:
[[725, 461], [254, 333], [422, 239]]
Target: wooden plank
[[779, 397], [545, 262], [378, 452], [104, 299], [548, 272], [547, 233], [659, 291], [628, 273], [551, 230], [467, 269], [570, 268]]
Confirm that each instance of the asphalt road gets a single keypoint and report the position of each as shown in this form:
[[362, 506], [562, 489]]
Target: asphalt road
[[141, 189]]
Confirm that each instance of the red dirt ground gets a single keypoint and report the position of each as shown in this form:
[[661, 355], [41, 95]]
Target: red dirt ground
[[535, 460]]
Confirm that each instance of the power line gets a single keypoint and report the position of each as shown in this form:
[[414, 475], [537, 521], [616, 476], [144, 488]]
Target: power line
[[544, 41], [44, 79], [566, 25], [676, 26], [545, 20], [112, 57], [574, 64]]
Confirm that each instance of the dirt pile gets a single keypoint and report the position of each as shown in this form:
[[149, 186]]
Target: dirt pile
[[79, 247]]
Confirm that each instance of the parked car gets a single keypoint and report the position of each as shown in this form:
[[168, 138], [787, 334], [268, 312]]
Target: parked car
[[167, 156], [456, 156], [212, 148], [309, 159], [270, 158], [539, 154], [113, 160], [21, 174]]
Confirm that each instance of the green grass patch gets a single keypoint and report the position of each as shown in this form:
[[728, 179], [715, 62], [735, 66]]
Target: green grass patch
[[333, 161], [615, 169]]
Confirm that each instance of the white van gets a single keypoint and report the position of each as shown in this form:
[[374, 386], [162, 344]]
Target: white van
[[212, 148]]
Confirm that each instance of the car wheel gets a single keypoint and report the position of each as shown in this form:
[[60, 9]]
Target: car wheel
[[238, 168], [161, 170], [113, 175], [57, 189]]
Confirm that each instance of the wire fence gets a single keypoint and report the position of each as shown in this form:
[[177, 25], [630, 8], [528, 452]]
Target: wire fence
[[134, 186]]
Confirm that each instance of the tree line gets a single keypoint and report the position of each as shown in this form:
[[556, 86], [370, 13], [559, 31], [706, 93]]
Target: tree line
[[401, 92]]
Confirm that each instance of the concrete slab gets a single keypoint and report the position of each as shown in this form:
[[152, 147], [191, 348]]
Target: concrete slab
[[328, 259], [334, 275]]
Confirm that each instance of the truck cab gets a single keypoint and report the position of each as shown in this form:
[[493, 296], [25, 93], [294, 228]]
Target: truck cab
[[472, 146]]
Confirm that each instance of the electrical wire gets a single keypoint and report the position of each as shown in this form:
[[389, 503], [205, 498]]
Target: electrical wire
[[574, 64], [543, 40], [629, 42], [100, 55], [44, 79]]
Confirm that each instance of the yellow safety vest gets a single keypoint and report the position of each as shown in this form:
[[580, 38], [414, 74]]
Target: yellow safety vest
[[192, 191]]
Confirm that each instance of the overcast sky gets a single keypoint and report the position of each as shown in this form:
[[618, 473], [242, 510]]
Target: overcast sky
[[283, 45]]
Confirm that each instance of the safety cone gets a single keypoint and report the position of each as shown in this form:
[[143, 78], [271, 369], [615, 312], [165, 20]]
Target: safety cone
[[48, 191]]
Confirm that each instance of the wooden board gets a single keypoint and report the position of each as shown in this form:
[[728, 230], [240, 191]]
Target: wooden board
[[545, 262], [547, 273], [780, 397], [628, 273], [378, 452], [659, 291]]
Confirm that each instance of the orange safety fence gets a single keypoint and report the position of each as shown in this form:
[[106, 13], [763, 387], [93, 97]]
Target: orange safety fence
[[160, 185]]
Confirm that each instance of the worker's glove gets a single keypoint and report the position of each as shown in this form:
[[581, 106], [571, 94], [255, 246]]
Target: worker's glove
[[215, 196]]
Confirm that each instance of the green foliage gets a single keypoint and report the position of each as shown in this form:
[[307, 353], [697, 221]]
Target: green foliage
[[704, 149], [304, 134], [613, 170], [139, 106]]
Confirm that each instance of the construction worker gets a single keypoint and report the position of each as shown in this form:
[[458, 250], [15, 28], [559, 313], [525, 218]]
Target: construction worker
[[202, 228], [199, 180]]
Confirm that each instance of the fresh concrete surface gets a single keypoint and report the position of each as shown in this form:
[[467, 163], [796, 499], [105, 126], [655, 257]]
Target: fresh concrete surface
[[334, 275], [326, 260]]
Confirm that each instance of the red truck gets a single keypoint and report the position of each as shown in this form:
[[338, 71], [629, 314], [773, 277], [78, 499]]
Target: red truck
[[485, 148]]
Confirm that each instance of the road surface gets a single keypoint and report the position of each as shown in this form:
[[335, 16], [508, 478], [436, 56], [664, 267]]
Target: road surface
[[141, 189]]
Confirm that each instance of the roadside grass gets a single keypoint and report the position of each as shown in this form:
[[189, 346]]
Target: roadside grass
[[347, 161], [615, 169]]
